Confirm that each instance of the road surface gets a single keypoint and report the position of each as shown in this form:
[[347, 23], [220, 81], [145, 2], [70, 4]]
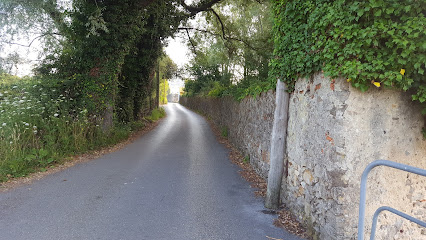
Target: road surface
[[175, 182]]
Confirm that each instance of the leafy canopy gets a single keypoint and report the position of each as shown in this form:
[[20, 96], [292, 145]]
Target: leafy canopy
[[231, 50]]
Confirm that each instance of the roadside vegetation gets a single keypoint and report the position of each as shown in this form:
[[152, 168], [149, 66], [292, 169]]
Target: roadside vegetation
[[40, 126], [231, 56], [370, 44]]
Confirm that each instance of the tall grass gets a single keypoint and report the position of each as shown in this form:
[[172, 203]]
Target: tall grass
[[39, 127]]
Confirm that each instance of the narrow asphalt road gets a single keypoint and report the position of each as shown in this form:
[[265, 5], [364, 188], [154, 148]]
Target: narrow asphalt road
[[175, 182]]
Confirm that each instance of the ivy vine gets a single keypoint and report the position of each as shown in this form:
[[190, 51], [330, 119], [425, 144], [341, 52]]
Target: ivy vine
[[374, 43]]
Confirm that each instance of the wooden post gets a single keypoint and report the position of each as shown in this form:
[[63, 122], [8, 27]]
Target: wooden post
[[278, 146]]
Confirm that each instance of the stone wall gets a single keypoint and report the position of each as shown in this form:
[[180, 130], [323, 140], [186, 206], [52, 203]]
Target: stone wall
[[334, 132], [248, 123]]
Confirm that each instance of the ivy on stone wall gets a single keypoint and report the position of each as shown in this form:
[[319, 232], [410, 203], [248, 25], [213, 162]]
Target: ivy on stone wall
[[373, 43]]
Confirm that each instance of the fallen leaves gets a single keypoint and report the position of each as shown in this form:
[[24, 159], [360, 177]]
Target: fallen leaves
[[287, 221], [285, 218]]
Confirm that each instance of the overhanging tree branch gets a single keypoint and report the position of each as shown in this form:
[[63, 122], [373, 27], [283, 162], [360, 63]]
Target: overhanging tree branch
[[220, 21], [32, 41], [202, 6], [194, 50], [220, 35]]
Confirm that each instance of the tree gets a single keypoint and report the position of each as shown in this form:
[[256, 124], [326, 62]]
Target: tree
[[168, 69], [105, 49], [237, 38]]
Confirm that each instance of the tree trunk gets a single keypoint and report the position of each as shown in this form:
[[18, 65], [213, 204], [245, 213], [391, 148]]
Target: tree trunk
[[158, 84], [278, 146], [107, 118]]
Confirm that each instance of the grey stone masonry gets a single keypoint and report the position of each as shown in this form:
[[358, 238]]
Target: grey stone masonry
[[248, 123], [334, 132]]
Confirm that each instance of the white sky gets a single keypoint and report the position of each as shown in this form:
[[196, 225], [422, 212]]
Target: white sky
[[178, 51]]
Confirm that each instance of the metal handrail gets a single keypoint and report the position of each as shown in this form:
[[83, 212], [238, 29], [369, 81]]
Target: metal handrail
[[363, 193], [392, 210]]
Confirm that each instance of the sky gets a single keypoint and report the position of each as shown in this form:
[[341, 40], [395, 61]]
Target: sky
[[178, 51]]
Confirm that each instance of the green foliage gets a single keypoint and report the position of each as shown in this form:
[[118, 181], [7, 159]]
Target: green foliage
[[156, 114], [370, 43], [246, 159], [164, 91], [7, 80], [36, 129], [230, 58], [40, 126], [248, 88], [99, 64], [224, 131], [168, 69], [217, 90]]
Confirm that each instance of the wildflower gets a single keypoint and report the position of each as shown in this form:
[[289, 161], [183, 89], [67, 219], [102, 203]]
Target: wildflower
[[402, 71], [349, 79], [55, 115], [35, 131], [3, 125], [34, 127], [377, 84], [1, 95]]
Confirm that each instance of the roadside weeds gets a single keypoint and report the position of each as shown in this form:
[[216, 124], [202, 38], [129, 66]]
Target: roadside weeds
[[77, 159]]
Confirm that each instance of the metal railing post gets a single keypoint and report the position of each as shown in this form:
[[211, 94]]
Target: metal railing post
[[363, 192], [394, 211]]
